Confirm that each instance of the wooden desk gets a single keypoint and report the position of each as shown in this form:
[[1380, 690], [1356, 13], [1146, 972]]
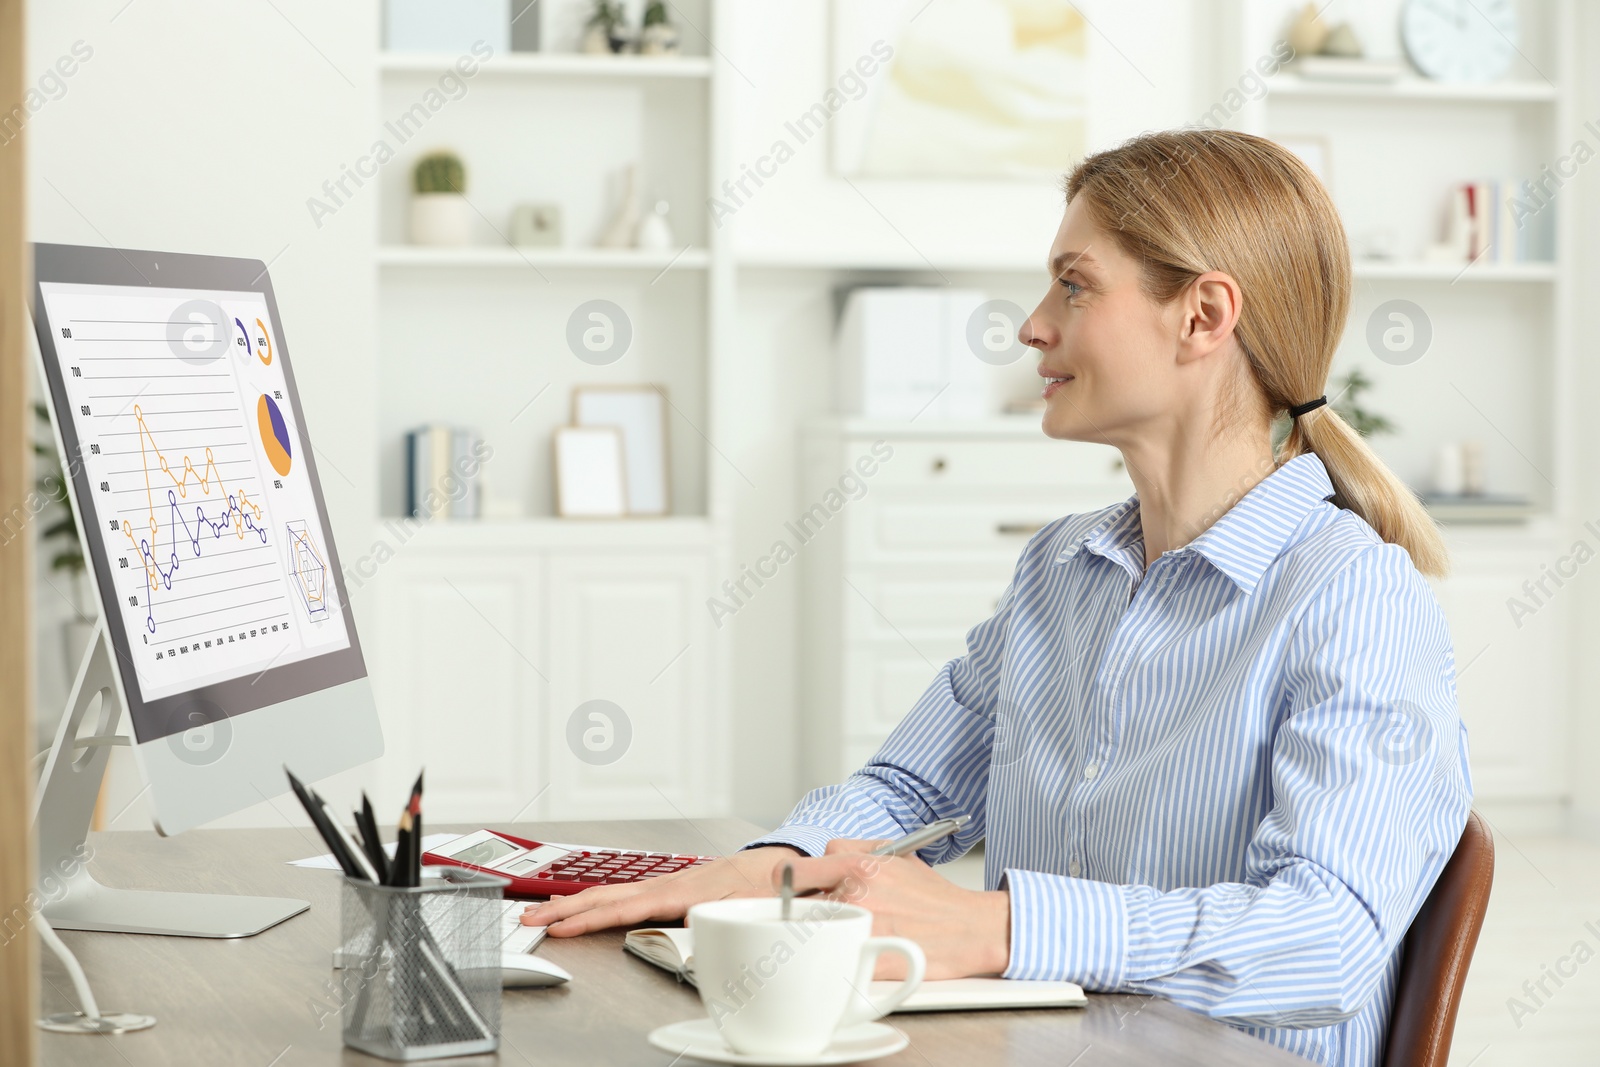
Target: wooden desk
[[265, 1001]]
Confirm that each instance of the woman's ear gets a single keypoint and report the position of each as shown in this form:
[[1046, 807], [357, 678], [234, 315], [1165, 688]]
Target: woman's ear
[[1211, 307]]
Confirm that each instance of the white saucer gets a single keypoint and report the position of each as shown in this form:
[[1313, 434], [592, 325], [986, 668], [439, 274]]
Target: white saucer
[[699, 1038]]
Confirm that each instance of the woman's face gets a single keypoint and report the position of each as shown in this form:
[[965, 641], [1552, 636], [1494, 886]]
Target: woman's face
[[1115, 347]]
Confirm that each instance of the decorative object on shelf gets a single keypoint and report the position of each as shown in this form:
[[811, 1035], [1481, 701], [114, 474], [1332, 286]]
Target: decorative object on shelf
[[1478, 508], [638, 413], [1334, 53], [624, 222], [658, 37], [904, 352], [1472, 472], [1349, 69], [1342, 42], [918, 98], [1449, 475], [444, 472], [440, 214], [606, 32], [1458, 469], [431, 26], [590, 479], [1307, 31], [1488, 222], [536, 225], [1460, 42], [1378, 244], [654, 233], [60, 538]]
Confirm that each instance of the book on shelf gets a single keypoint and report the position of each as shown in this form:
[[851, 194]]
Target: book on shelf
[[444, 476], [1492, 221], [672, 949]]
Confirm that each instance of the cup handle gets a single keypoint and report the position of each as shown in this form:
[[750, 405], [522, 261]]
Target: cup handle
[[864, 1007]]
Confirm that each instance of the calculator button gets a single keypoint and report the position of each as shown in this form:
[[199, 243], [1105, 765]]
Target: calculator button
[[564, 876]]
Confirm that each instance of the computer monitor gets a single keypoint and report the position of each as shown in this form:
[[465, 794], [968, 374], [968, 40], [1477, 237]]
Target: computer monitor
[[224, 628]]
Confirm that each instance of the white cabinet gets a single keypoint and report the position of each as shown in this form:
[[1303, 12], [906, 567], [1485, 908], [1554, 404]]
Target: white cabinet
[[900, 572], [461, 694], [491, 640], [631, 631], [1511, 649]]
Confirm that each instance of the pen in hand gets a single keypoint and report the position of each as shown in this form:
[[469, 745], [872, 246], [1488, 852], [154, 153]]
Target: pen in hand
[[912, 842]]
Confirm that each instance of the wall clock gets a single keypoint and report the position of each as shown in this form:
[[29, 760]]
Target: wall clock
[[1460, 40]]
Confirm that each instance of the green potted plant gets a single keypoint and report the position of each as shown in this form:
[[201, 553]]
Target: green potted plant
[[59, 541], [440, 214], [606, 32], [658, 37]]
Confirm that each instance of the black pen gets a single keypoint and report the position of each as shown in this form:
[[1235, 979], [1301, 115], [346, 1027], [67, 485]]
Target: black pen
[[343, 855]]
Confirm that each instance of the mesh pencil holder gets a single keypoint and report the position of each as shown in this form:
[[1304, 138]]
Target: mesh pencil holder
[[425, 966]]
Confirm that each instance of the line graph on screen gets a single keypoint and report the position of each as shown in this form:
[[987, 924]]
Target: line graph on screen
[[197, 534]]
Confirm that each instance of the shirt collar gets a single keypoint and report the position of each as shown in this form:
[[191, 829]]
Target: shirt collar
[[1244, 541]]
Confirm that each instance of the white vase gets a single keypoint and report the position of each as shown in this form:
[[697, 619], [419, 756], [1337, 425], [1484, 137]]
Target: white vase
[[441, 219]]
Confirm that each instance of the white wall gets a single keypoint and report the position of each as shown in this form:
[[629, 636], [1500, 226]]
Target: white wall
[[204, 127], [1581, 220]]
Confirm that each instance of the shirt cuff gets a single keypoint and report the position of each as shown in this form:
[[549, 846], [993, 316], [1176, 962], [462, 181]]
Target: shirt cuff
[[1067, 929], [812, 840]]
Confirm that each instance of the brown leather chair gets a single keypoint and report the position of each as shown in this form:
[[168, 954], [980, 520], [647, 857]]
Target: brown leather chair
[[1438, 949]]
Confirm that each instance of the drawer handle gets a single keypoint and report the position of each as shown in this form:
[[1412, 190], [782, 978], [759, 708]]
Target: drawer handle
[[1018, 529], [939, 464]]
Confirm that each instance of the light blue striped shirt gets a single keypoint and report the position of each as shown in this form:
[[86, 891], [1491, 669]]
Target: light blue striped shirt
[[1230, 780]]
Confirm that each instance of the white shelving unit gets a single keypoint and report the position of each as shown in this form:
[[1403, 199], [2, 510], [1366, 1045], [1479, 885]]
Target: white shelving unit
[[544, 65], [1500, 368], [686, 258], [505, 628]]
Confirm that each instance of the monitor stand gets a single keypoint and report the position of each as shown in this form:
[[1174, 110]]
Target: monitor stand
[[71, 897]]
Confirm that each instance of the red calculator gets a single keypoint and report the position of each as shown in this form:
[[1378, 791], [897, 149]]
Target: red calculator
[[537, 869]]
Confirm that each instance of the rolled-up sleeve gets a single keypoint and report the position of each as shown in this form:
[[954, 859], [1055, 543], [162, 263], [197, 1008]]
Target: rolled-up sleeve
[[1370, 792]]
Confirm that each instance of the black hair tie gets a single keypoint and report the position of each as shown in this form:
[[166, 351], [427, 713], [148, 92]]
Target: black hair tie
[[1300, 409]]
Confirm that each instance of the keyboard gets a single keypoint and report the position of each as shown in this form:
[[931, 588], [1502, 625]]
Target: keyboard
[[514, 937]]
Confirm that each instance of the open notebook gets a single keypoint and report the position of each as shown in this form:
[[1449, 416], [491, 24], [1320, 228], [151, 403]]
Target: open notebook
[[672, 949]]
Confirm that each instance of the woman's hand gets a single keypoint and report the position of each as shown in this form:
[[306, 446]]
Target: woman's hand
[[663, 898], [963, 932]]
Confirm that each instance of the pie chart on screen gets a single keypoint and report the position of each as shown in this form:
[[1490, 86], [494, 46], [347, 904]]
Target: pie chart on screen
[[274, 434]]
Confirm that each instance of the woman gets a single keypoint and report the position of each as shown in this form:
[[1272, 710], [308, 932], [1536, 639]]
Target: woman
[[1210, 735]]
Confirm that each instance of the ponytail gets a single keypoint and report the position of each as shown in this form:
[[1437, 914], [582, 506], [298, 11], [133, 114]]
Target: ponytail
[[1365, 485]]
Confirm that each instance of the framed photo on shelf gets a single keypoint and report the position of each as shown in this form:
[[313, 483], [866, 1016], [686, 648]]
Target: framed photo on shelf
[[639, 414], [590, 482]]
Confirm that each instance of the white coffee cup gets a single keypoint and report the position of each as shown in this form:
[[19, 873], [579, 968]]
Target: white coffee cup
[[783, 989]]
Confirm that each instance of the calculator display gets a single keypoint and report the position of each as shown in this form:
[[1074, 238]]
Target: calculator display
[[484, 853]]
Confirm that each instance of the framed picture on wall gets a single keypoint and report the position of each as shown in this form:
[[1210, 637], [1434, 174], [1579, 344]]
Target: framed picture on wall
[[638, 412], [972, 90], [590, 482]]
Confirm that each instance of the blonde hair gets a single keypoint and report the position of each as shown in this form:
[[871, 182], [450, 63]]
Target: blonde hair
[[1184, 202]]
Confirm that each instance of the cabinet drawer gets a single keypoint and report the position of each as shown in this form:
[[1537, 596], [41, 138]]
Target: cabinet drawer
[[970, 524], [1040, 462]]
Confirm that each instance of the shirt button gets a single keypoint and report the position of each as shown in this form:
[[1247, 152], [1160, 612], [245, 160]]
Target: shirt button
[[1091, 772], [1075, 868]]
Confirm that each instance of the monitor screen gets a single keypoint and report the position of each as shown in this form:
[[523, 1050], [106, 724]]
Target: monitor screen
[[199, 498]]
